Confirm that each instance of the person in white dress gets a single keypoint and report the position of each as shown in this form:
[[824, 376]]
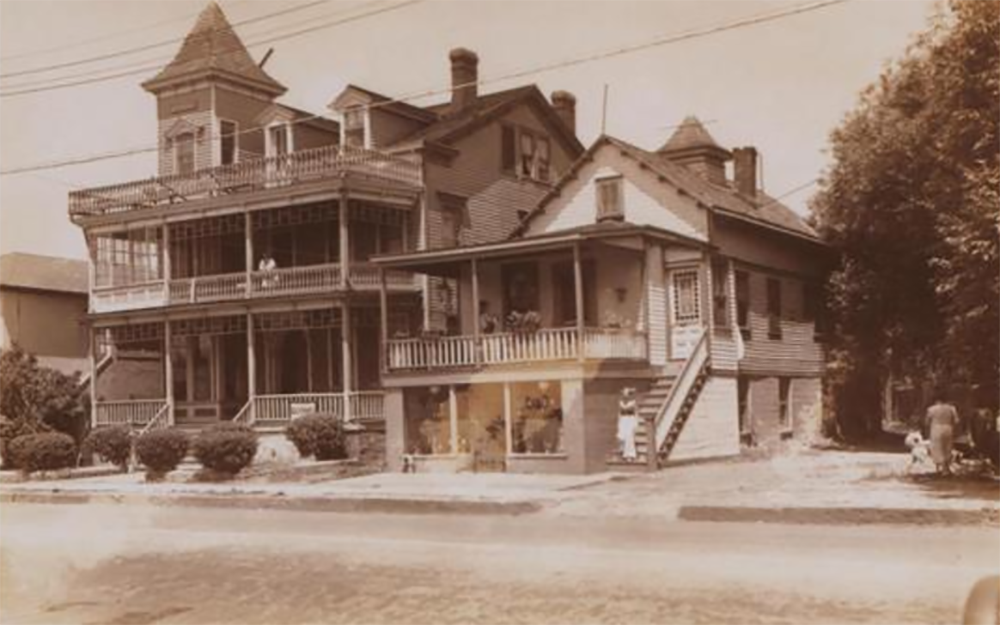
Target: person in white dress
[[628, 421]]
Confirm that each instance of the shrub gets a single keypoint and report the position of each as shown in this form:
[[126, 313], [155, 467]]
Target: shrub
[[113, 444], [319, 435], [43, 452], [15, 428], [226, 447], [160, 451]]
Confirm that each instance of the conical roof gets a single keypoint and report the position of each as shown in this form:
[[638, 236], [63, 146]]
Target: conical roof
[[213, 48], [690, 135]]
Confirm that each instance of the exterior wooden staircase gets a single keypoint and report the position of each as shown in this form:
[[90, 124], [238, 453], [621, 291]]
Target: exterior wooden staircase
[[668, 404]]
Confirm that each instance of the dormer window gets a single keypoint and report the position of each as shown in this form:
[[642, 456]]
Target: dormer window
[[184, 153], [279, 140], [354, 127]]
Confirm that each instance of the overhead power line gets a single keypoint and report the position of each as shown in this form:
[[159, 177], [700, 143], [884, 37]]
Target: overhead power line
[[143, 70], [662, 41]]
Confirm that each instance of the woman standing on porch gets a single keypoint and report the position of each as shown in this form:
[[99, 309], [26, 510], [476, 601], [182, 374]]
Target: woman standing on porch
[[628, 421], [942, 419]]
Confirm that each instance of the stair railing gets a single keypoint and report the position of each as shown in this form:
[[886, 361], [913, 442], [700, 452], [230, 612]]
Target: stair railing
[[246, 414], [160, 420], [671, 408]]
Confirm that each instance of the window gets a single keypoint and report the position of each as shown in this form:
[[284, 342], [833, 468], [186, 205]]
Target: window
[[774, 308], [525, 154], [520, 287], [428, 420], [743, 303], [812, 298], [228, 141], [454, 217], [354, 127], [184, 153], [743, 404], [536, 418], [720, 293], [784, 404], [610, 199], [278, 140], [687, 308]]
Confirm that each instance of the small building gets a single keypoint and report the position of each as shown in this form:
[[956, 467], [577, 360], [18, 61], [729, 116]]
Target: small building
[[649, 270], [43, 305]]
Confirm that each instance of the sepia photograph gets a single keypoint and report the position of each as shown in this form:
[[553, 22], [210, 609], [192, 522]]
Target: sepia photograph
[[499, 312]]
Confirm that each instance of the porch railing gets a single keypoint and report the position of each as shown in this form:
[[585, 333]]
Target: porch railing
[[365, 406], [545, 345], [243, 177], [202, 289], [130, 412], [159, 421], [128, 297]]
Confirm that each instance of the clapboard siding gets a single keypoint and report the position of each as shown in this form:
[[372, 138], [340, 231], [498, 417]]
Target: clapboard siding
[[388, 128], [647, 200], [796, 352], [656, 305], [244, 109], [712, 430]]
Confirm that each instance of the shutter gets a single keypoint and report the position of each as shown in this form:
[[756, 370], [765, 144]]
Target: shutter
[[507, 149]]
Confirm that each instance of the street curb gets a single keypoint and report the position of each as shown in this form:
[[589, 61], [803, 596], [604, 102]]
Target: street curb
[[839, 516], [384, 505]]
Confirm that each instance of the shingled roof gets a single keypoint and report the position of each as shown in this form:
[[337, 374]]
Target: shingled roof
[[213, 48], [43, 273], [690, 134]]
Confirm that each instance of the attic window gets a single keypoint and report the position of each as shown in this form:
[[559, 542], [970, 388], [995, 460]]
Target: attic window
[[610, 199], [525, 154], [354, 127], [184, 153]]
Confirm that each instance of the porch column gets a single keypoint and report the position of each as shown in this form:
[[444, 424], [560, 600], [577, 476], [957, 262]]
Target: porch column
[[248, 238], [476, 347], [167, 267], [251, 360], [453, 418], [92, 354], [91, 271], [425, 279], [507, 417], [345, 252], [705, 278], [168, 370], [578, 284], [383, 300], [345, 352]]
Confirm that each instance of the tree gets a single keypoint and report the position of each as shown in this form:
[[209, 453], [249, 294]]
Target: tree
[[911, 202], [39, 397]]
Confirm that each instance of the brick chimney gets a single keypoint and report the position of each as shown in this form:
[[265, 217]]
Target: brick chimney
[[464, 75], [745, 171], [564, 103]]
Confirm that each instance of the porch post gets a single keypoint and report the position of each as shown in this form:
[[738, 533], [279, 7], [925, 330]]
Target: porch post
[[345, 252], [91, 271], [92, 353], [475, 312], [251, 360], [706, 297], [248, 238], [167, 267], [578, 284], [507, 417], [453, 418], [168, 370], [345, 353], [383, 299]]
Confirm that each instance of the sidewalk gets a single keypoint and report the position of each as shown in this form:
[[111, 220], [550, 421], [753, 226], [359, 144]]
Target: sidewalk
[[829, 487]]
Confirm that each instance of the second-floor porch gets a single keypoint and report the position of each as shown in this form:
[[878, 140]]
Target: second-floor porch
[[322, 248]]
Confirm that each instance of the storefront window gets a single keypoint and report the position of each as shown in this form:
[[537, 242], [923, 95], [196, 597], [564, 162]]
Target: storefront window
[[536, 418], [481, 427], [428, 422]]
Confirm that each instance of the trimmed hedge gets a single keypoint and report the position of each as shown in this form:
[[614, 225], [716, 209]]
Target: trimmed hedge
[[112, 444], [160, 451], [320, 435], [43, 452], [226, 447]]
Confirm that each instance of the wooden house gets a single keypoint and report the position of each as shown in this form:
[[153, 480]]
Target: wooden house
[[646, 270]]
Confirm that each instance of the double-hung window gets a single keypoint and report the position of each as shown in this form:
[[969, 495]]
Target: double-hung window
[[184, 153], [525, 154], [354, 127], [743, 303], [774, 308]]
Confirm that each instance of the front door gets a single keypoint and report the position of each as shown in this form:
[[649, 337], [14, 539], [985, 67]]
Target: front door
[[685, 319]]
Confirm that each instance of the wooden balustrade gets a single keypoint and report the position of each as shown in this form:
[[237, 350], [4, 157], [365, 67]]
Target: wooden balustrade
[[365, 405], [130, 412], [507, 348], [128, 297], [218, 288], [244, 176], [295, 280]]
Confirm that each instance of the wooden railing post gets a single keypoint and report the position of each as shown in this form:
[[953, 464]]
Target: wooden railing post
[[652, 450], [578, 284], [476, 313]]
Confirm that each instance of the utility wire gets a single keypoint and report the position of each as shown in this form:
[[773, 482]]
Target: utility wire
[[666, 40], [152, 46], [313, 28]]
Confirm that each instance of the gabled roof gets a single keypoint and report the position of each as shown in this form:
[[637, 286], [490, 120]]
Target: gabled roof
[[386, 103], [722, 199], [213, 48], [485, 108], [44, 273]]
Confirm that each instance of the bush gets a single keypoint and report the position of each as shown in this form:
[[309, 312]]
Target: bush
[[15, 428], [113, 444], [319, 435], [226, 448], [160, 451], [43, 452]]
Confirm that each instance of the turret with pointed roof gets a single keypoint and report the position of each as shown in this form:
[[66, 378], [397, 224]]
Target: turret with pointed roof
[[213, 50], [692, 146]]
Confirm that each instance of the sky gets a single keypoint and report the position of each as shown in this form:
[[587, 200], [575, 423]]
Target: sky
[[782, 86]]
